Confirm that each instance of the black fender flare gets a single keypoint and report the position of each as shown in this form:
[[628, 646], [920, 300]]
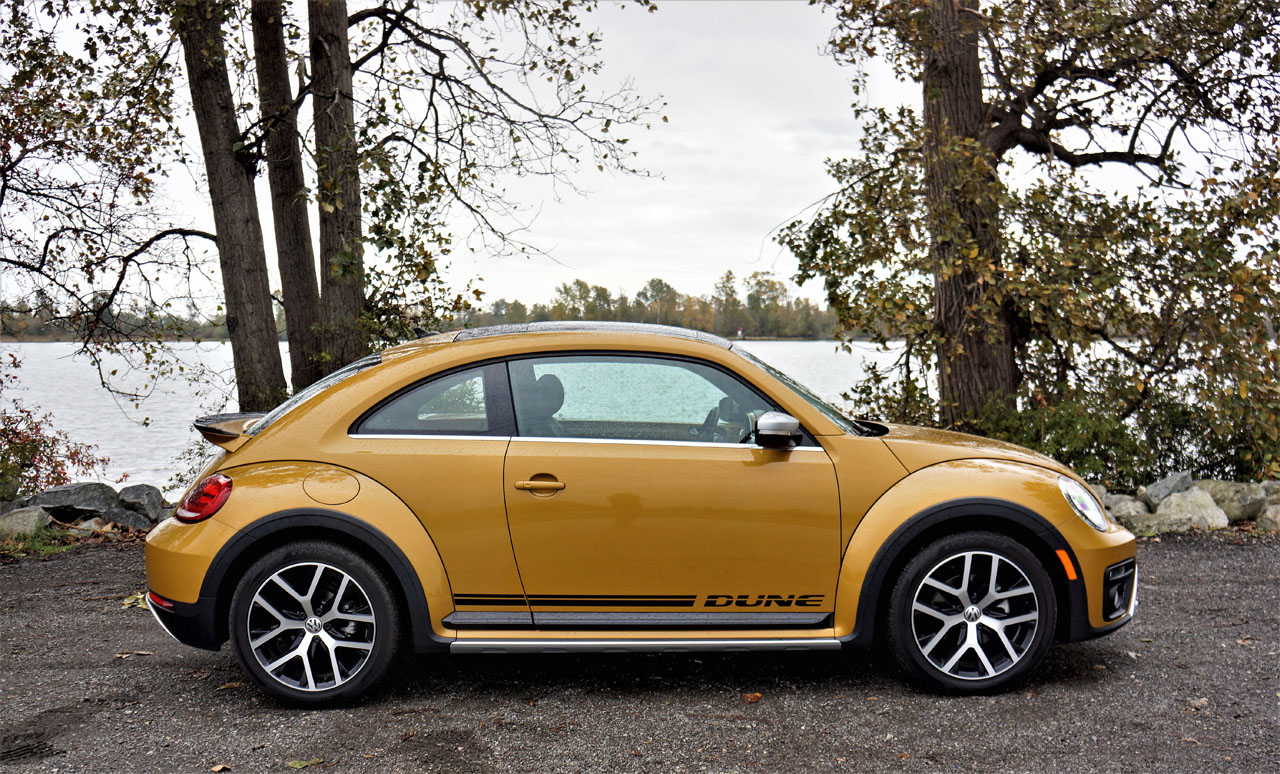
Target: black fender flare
[[972, 511], [363, 533]]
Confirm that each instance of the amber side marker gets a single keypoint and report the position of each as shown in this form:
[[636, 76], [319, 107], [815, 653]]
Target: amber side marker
[[1067, 565]]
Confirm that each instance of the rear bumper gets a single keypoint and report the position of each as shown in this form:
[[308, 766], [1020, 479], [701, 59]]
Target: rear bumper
[[189, 623]]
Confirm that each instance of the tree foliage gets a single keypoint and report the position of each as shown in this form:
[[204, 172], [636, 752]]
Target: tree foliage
[[768, 310], [86, 128], [1111, 217]]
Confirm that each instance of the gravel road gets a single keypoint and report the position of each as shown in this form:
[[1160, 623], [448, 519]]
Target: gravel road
[[1192, 685]]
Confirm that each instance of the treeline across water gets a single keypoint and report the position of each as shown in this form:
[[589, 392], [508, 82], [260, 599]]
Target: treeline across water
[[757, 306]]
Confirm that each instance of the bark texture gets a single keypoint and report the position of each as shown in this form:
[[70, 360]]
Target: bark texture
[[338, 184], [976, 361], [294, 253], [250, 322]]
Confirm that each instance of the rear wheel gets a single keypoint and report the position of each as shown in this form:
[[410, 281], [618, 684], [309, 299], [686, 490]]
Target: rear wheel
[[314, 623], [972, 613]]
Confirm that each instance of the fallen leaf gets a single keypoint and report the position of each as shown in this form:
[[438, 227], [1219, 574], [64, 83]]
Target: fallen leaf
[[1145, 639], [220, 767], [229, 686], [752, 698], [1132, 655], [903, 756], [138, 599], [305, 764], [406, 736], [1246, 641], [128, 653], [1200, 703]]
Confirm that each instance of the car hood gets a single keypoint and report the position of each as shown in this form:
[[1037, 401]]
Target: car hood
[[920, 447]]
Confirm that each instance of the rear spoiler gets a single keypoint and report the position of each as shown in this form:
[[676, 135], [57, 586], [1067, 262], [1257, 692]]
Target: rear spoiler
[[227, 430]]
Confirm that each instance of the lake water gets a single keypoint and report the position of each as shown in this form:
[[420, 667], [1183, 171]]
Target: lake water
[[145, 440]]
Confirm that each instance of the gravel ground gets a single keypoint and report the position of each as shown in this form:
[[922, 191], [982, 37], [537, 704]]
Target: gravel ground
[[1192, 685]]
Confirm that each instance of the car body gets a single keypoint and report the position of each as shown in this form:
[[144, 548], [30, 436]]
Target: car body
[[596, 486]]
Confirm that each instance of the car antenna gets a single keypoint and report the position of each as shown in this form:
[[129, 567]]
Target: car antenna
[[422, 333]]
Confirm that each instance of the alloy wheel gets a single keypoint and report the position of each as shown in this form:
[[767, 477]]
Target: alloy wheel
[[311, 626], [975, 615]]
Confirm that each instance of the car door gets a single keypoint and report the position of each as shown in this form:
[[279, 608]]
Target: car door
[[633, 499], [439, 446]]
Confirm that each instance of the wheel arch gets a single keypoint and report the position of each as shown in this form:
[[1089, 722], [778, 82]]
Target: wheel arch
[[269, 532], [988, 514]]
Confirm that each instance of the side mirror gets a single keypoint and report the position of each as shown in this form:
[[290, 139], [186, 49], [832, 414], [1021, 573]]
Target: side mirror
[[775, 430]]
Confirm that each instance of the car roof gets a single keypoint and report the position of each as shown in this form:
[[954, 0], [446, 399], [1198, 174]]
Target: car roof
[[589, 326]]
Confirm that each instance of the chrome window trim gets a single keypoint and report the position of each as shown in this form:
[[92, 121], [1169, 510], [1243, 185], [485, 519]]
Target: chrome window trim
[[423, 436], [615, 441], [640, 442]]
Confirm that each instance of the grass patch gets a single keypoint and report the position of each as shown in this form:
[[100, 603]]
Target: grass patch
[[45, 541]]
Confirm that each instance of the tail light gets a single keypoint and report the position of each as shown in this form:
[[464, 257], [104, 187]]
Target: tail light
[[204, 499]]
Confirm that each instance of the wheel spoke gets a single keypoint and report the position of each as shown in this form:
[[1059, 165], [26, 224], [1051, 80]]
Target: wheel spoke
[[286, 658], [1017, 619], [925, 609], [933, 643], [269, 608]]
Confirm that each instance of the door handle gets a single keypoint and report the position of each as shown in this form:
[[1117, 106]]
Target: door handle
[[540, 486]]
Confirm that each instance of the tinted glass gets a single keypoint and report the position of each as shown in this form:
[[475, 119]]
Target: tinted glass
[[631, 398], [451, 405]]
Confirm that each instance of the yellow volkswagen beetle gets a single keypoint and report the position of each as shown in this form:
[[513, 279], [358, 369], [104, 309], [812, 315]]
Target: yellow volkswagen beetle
[[566, 487]]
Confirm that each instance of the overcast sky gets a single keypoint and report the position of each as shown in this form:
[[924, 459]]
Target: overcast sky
[[755, 108]]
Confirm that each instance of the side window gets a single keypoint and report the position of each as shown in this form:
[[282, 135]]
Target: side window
[[631, 398], [456, 404]]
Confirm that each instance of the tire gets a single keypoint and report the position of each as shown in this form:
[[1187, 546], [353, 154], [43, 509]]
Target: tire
[[995, 637], [314, 624]]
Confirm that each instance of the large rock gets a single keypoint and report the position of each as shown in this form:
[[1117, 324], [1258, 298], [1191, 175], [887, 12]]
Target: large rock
[[1272, 488], [23, 521], [127, 518], [146, 500], [74, 502], [1239, 501], [1129, 511], [1171, 484], [1183, 511], [1099, 490], [1269, 519]]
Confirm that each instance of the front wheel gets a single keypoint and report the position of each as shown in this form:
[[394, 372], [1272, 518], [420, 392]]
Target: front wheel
[[972, 613], [314, 623]]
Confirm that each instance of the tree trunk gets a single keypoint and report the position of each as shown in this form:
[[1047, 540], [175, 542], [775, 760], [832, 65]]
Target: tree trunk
[[976, 365], [288, 195], [338, 183], [255, 351]]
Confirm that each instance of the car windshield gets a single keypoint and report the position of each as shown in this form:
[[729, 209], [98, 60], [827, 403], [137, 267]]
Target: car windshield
[[312, 390], [829, 411]]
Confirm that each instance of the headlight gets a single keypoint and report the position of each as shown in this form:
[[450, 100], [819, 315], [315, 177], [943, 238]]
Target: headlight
[[1083, 502]]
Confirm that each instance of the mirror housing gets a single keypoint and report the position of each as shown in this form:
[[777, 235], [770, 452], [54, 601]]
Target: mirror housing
[[776, 430]]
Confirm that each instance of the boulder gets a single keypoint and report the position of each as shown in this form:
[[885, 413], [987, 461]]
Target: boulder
[[146, 500], [127, 518], [1183, 511], [1129, 511], [75, 502], [23, 521], [1171, 484], [1238, 501], [1272, 488], [1269, 520], [1099, 490]]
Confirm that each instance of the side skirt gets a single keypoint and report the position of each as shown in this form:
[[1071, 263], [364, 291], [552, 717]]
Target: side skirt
[[638, 646]]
